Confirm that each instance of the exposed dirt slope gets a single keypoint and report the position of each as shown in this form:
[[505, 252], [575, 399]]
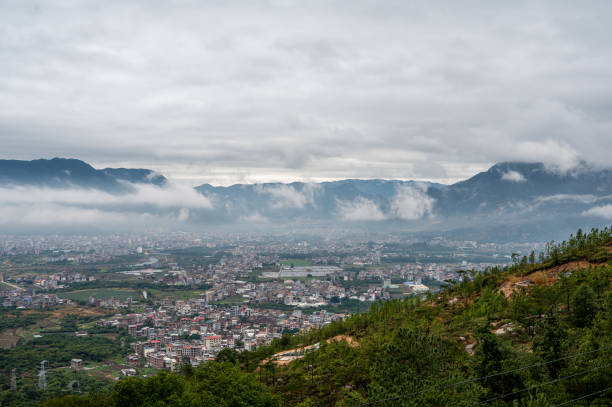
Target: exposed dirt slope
[[543, 277]]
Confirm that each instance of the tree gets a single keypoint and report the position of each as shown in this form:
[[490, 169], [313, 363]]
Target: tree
[[583, 306], [548, 344], [489, 359]]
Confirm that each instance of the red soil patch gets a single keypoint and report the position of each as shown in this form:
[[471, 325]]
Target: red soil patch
[[348, 339], [543, 277]]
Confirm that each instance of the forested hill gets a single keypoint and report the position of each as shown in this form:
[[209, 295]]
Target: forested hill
[[538, 333]]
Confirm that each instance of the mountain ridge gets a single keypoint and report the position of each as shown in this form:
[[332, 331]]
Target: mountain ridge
[[506, 201], [71, 172]]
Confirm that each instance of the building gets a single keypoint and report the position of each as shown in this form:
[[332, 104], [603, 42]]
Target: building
[[128, 372], [76, 364], [133, 360], [213, 341], [156, 360]]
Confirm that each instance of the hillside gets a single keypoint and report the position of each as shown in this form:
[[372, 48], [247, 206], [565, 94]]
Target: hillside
[[72, 173], [538, 333]]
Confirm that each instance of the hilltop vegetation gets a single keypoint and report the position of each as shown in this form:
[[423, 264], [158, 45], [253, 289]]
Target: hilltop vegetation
[[543, 341]]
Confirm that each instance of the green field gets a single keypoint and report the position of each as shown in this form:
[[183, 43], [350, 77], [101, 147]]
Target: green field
[[174, 294], [233, 300], [100, 293], [295, 262]]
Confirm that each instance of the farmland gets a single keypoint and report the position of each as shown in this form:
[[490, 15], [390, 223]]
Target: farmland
[[100, 293]]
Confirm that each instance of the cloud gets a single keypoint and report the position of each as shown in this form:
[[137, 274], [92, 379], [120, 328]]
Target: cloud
[[45, 214], [411, 203], [585, 199], [146, 207], [361, 209], [167, 197], [556, 156], [183, 214], [255, 217], [286, 196], [604, 211], [222, 91], [513, 176]]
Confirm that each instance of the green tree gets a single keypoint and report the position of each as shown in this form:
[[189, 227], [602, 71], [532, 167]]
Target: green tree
[[583, 306], [549, 342]]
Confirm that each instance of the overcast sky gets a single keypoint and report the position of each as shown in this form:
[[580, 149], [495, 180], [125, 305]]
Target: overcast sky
[[247, 91]]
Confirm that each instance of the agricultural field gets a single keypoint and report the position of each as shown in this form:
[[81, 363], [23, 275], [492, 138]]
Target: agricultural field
[[99, 293], [233, 300], [174, 294]]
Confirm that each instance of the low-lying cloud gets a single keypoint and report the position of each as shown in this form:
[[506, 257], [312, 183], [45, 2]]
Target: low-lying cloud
[[146, 206], [513, 176], [287, 196], [409, 203], [361, 209]]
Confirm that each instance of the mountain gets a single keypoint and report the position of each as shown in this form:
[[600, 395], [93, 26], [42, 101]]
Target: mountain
[[136, 176], [510, 201], [538, 333], [68, 173], [298, 201], [510, 198], [513, 183]]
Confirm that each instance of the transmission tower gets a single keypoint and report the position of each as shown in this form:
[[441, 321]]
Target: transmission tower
[[42, 378], [14, 379]]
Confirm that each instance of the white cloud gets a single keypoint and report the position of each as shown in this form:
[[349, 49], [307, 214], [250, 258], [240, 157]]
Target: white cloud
[[361, 209], [556, 156], [172, 196], [219, 91], [286, 196], [183, 214], [513, 176], [604, 211], [147, 206], [411, 203], [42, 215], [255, 217], [585, 199]]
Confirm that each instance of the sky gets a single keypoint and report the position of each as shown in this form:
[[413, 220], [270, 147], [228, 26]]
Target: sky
[[230, 92]]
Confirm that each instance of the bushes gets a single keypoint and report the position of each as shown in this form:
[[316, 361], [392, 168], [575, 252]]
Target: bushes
[[212, 384], [583, 306]]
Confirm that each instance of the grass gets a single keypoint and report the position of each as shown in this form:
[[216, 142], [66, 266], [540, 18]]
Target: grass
[[177, 294], [295, 262], [100, 293], [233, 300]]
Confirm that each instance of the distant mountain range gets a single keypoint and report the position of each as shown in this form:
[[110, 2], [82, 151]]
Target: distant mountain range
[[503, 199], [505, 189], [67, 173]]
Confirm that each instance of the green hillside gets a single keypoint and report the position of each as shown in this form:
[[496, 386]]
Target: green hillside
[[538, 333]]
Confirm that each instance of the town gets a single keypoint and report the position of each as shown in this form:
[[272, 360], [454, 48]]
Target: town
[[182, 298]]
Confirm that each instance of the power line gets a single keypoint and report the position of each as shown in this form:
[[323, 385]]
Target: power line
[[539, 385], [583, 397], [449, 386]]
